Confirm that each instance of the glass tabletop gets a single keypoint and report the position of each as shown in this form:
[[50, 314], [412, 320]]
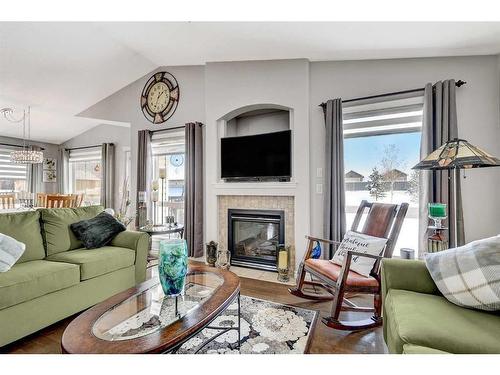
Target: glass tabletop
[[150, 311]]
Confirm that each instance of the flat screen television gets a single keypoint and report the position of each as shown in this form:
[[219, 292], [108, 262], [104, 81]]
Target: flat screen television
[[260, 156]]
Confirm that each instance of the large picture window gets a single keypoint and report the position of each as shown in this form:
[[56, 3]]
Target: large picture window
[[85, 174], [168, 154], [13, 176], [381, 144]]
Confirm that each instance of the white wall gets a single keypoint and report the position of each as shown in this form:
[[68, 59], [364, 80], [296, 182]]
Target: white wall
[[50, 151], [118, 135], [478, 119], [124, 106]]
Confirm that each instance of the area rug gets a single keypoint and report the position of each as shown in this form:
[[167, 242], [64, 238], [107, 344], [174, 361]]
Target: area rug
[[266, 328]]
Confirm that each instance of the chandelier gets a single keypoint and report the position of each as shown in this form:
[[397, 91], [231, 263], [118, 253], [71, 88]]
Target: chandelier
[[26, 155]]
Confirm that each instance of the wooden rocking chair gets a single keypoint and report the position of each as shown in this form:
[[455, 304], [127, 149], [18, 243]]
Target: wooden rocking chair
[[383, 220]]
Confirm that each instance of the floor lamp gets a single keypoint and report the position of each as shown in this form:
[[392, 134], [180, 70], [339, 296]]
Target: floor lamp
[[455, 155]]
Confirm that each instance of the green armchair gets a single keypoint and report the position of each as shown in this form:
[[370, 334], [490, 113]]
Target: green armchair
[[419, 320]]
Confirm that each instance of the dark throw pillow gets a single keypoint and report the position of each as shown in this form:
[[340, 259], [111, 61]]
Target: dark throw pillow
[[98, 231]]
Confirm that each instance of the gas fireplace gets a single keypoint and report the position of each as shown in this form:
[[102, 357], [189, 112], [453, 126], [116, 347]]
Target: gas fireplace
[[253, 237]]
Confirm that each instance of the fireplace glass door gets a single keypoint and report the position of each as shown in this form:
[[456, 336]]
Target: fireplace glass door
[[254, 239]]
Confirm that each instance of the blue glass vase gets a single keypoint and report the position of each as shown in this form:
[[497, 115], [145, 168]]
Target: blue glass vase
[[172, 266]]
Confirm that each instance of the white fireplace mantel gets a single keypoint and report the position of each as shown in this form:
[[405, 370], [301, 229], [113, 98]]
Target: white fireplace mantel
[[255, 188]]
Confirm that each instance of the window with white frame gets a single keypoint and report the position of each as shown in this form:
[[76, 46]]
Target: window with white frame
[[168, 160], [13, 176], [85, 173], [381, 145]]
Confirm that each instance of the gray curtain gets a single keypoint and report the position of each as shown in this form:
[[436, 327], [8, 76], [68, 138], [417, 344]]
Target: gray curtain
[[143, 167], [194, 189], [334, 220], [108, 175], [439, 125], [63, 171], [35, 175]]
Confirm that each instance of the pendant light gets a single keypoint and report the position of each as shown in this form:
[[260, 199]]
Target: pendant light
[[26, 155]]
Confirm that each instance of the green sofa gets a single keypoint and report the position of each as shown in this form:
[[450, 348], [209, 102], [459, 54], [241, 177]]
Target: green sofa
[[419, 320], [56, 277]]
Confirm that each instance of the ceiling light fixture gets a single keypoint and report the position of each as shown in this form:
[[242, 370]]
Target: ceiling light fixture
[[26, 155]]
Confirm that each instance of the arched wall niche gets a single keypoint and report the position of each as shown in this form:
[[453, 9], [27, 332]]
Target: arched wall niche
[[255, 119]]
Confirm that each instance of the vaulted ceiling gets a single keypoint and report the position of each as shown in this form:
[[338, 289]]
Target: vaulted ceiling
[[60, 69]]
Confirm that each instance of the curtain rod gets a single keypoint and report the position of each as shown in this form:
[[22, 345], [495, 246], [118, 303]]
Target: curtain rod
[[20, 146], [459, 83], [174, 128], [82, 147], [163, 130]]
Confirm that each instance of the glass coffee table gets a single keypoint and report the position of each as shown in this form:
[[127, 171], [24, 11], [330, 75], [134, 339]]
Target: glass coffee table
[[143, 320]]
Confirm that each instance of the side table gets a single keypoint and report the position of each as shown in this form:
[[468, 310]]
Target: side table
[[437, 240], [160, 230], [152, 230]]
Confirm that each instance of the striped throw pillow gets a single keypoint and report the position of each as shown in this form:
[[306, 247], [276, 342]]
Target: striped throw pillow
[[469, 276], [10, 251]]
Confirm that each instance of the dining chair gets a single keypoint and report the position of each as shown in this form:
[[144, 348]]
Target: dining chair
[[41, 199], [7, 201], [339, 282], [77, 200], [59, 201]]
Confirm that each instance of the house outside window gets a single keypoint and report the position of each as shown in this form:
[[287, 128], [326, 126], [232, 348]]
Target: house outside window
[[13, 176], [85, 174], [381, 145]]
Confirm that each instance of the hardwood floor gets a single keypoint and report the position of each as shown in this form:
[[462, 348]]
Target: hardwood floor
[[324, 339]]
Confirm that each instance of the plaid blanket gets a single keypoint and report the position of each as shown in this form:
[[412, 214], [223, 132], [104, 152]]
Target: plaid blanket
[[469, 275]]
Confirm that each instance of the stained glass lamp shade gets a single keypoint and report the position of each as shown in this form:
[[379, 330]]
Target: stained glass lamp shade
[[459, 154]]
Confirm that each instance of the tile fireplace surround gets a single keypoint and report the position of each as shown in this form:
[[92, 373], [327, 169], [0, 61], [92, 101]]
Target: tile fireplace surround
[[257, 202]]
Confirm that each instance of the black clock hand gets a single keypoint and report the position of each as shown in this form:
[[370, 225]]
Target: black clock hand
[[158, 97]]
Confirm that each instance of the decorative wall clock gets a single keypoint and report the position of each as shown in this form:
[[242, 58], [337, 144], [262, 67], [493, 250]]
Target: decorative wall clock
[[160, 97], [177, 160]]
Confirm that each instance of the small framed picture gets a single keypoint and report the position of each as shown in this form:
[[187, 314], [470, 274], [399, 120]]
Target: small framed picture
[[49, 176], [49, 164]]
